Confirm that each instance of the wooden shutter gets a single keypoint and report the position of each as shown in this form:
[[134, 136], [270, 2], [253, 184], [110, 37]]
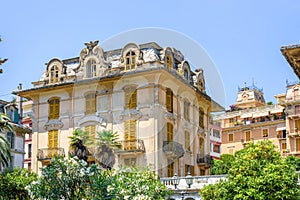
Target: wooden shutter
[[187, 140], [90, 104], [54, 109], [53, 139], [297, 144], [247, 136], [170, 133], [169, 100]]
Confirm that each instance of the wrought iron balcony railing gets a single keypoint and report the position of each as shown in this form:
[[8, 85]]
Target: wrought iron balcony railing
[[204, 159], [129, 146], [48, 153], [173, 149]]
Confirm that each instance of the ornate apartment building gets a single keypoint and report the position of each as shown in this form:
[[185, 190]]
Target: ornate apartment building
[[250, 119], [146, 93]]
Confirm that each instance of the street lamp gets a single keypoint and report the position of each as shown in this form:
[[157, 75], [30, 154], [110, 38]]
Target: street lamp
[[175, 180], [189, 179]]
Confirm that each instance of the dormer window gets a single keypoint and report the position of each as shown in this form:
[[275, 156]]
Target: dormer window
[[54, 74], [169, 63], [91, 69], [186, 74], [130, 60]]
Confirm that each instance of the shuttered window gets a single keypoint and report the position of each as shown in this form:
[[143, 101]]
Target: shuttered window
[[90, 104], [170, 132], [201, 118], [247, 133], [170, 168], [130, 135], [53, 139], [91, 130], [298, 144], [54, 108], [169, 100], [230, 137], [187, 140], [130, 100]]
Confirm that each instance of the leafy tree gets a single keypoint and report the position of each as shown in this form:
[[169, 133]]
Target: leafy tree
[[294, 161], [223, 165], [5, 151], [137, 183], [64, 179], [258, 172], [13, 183], [72, 179]]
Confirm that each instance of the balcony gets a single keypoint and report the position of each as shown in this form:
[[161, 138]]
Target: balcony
[[48, 153], [204, 160], [173, 150], [131, 146]]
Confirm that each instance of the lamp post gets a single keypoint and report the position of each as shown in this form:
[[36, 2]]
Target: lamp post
[[175, 180], [189, 179]]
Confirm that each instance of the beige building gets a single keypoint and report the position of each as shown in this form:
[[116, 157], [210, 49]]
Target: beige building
[[146, 93], [250, 119]]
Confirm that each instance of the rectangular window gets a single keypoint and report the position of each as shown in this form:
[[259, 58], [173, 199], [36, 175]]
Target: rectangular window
[[90, 104], [130, 135], [131, 162], [186, 111], [170, 133], [187, 142], [297, 144], [297, 125], [169, 100], [187, 168], [248, 136], [230, 151], [265, 132], [201, 119], [170, 169], [29, 150], [54, 109], [230, 137], [283, 147], [130, 100], [53, 139], [217, 149]]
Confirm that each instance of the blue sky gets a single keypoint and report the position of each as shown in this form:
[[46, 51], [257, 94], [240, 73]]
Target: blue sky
[[243, 38]]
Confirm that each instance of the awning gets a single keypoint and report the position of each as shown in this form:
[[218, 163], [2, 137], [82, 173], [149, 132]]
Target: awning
[[246, 115], [260, 114], [280, 128]]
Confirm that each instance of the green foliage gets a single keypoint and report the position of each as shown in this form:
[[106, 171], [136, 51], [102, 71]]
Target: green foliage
[[73, 179], [294, 161], [269, 103], [223, 165], [137, 183], [13, 183], [257, 172]]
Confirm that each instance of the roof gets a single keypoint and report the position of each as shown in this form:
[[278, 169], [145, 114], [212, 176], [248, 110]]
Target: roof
[[292, 55]]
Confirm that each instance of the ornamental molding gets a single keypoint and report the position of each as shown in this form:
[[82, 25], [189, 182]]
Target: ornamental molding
[[130, 114], [53, 124]]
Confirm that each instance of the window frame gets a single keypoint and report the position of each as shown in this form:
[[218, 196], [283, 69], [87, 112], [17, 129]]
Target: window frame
[[169, 100], [130, 98], [54, 74], [54, 108], [53, 139], [91, 68], [130, 60]]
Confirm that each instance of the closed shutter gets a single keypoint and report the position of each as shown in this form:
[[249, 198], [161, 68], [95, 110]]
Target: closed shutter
[[170, 134]]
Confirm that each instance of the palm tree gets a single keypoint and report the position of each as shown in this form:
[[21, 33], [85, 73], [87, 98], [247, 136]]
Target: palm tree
[[106, 143], [77, 144], [5, 151]]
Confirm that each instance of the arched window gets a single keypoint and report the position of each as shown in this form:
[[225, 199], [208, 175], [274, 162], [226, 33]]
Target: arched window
[[169, 100], [130, 98], [54, 108], [91, 70], [130, 60], [186, 74], [90, 104], [169, 62], [54, 74]]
